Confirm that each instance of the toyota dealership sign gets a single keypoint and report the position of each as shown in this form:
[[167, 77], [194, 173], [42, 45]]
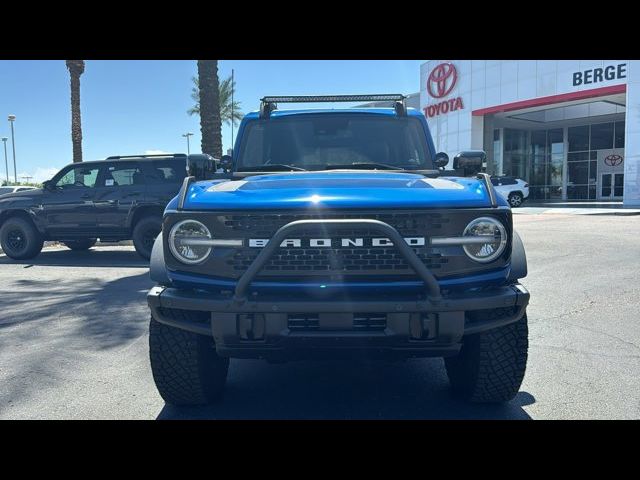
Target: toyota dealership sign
[[440, 83]]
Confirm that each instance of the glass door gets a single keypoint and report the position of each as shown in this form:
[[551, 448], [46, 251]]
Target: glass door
[[618, 185], [611, 185]]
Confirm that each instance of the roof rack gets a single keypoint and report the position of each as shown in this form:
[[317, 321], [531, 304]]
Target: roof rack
[[122, 157], [270, 103]]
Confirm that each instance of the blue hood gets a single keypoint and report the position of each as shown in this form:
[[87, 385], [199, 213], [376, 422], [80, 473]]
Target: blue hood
[[336, 190]]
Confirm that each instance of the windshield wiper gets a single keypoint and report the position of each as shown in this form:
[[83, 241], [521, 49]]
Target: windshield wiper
[[271, 167], [364, 166]]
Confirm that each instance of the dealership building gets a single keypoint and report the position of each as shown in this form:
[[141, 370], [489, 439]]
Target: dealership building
[[570, 128]]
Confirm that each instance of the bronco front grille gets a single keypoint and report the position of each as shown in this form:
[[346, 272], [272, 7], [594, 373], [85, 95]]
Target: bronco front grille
[[341, 261], [336, 259]]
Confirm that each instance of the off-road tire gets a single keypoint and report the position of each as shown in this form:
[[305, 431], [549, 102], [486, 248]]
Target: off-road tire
[[20, 239], [144, 234], [185, 366], [515, 199], [491, 365], [79, 245]]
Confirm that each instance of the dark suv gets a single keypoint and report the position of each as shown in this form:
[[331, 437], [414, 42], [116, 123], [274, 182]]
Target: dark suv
[[120, 198]]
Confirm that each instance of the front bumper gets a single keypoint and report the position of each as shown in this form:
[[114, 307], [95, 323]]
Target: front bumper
[[263, 328]]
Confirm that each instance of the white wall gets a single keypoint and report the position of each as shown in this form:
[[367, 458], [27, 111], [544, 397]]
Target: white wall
[[632, 137]]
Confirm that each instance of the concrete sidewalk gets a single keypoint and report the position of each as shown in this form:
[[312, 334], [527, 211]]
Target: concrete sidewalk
[[574, 210]]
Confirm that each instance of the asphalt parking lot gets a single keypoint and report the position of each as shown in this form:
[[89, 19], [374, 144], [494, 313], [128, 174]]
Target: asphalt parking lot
[[73, 342]]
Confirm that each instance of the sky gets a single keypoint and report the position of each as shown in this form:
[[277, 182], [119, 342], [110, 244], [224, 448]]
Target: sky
[[140, 106]]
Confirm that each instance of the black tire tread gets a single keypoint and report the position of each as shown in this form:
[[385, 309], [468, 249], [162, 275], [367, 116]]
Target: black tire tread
[[35, 240], [185, 366], [138, 230], [491, 365]]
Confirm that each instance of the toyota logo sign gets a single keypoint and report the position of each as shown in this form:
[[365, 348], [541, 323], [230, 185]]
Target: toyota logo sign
[[440, 83], [613, 160], [442, 80]]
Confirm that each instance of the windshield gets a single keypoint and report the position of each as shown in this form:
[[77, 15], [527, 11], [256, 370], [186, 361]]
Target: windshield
[[4, 190], [324, 141]]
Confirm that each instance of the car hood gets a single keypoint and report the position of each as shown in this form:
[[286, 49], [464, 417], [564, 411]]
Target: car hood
[[338, 189]]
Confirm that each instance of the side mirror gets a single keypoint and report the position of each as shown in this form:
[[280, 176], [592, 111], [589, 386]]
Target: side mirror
[[201, 166], [441, 160], [470, 162], [226, 163], [47, 185]]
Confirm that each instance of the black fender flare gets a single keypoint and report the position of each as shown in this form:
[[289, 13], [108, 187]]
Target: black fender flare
[[29, 213], [157, 268], [518, 259]]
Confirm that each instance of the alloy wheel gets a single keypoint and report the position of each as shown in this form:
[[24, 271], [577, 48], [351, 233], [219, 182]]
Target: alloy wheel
[[515, 200]]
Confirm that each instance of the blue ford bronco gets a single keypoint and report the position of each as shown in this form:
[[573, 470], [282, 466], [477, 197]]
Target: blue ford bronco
[[337, 233]]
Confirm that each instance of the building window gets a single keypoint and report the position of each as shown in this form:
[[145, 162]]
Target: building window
[[495, 165], [582, 162], [578, 138], [619, 135], [514, 160], [538, 157], [601, 136]]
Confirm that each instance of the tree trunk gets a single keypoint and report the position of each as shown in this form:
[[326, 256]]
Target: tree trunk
[[76, 68], [210, 124]]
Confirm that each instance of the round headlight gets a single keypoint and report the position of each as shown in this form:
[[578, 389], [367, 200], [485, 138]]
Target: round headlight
[[185, 242], [489, 239]]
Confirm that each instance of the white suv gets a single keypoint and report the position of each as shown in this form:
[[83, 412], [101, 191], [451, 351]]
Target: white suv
[[514, 190]]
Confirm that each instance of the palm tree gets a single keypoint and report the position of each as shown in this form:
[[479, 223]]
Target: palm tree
[[210, 124], [76, 68], [226, 93]]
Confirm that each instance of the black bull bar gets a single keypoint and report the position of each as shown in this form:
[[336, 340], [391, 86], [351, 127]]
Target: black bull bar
[[431, 284]]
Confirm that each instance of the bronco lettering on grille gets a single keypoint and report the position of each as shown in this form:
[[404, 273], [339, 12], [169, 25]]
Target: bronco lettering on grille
[[342, 242]]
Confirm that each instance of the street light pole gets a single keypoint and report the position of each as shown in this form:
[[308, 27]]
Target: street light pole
[[12, 119], [187, 135], [6, 161]]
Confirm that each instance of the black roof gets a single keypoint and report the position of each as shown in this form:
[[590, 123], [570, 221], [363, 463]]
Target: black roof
[[151, 157]]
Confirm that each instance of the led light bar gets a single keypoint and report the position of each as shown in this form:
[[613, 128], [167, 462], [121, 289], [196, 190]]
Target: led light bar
[[334, 98], [269, 104]]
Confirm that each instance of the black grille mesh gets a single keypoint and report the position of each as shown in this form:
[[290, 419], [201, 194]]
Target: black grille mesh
[[336, 259], [264, 226]]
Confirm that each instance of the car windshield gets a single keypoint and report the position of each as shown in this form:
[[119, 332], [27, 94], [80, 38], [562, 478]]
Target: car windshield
[[327, 141], [4, 190]]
